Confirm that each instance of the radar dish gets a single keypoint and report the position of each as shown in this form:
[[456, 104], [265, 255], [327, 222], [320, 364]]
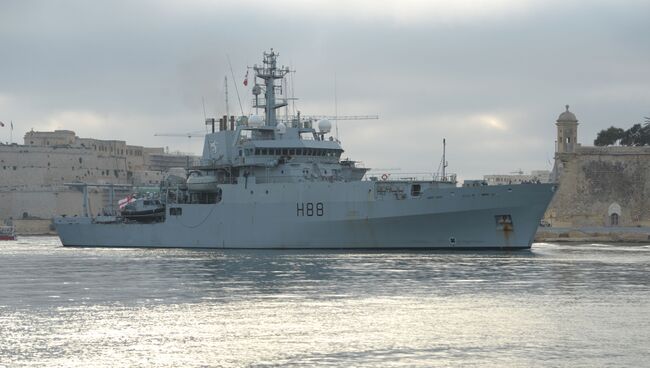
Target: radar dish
[[324, 126], [257, 90]]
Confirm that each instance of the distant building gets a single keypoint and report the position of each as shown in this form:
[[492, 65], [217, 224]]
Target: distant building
[[598, 186], [32, 175], [535, 176]]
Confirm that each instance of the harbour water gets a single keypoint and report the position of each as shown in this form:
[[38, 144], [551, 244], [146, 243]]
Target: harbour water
[[555, 305]]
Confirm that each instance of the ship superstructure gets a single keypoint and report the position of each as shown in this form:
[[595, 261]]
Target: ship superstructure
[[266, 182]]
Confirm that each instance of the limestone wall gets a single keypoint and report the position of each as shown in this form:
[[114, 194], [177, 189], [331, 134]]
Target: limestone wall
[[34, 227], [596, 182], [44, 203], [32, 175], [147, 178], [29, 166]]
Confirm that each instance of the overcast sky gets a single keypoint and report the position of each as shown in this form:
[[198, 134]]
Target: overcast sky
[[491, 77]]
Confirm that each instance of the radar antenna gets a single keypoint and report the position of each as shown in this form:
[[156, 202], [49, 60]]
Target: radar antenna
[[269, 72], [235, 83]]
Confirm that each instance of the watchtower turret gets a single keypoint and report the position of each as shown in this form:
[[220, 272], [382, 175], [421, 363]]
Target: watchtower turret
[[567, 132]]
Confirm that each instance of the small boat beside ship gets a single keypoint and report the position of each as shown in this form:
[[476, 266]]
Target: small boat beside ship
[[7, 232], [144, 210]]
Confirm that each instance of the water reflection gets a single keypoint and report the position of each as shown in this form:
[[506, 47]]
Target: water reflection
[[553, 305]]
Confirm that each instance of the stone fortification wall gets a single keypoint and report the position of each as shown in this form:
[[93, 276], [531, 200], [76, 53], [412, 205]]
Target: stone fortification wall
[[147, 178], [603, 186], [32, 175], [30, 166], [34, 227], [45, 139], [44, 203]]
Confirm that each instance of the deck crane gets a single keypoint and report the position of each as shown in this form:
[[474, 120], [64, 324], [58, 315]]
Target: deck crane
[[188, 135], [342, 117]]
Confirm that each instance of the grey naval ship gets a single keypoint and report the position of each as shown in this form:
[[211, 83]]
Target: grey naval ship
[[270, 181]]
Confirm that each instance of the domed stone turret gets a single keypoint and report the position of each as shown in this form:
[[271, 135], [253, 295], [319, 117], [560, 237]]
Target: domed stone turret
[[567, 117], [567, 132]]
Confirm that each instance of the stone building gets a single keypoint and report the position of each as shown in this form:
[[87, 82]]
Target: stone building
[[598, 186], [32, 175], [541, 176]]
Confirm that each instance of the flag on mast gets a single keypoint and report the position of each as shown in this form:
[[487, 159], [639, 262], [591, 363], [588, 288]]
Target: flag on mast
[[246, 79]]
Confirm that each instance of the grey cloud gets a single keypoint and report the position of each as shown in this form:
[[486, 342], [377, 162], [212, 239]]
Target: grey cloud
[[144, 67]]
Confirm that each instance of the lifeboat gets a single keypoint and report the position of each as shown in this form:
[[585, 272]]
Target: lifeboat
[[198, 182]]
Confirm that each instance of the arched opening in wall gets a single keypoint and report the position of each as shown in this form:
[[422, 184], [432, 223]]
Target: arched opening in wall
[[614, 214]]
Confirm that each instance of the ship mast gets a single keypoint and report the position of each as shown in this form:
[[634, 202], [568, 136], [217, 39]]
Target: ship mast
[[225, 87], [269, 72], [444, 158]]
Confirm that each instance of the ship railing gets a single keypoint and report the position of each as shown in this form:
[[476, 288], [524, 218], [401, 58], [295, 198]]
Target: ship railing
[[447, 178], [412, 176]]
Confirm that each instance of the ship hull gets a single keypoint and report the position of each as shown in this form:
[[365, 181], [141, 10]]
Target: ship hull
[[331, 216]]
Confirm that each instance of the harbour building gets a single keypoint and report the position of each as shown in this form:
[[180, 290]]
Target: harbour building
[[34, 174]]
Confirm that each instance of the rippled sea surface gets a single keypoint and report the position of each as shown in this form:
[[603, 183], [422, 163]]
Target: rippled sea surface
[[556, 305]]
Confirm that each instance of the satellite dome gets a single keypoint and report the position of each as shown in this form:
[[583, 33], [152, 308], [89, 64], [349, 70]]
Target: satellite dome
[[281, 128], [257, 90], [256, 120], [567, 117], [324, 126]]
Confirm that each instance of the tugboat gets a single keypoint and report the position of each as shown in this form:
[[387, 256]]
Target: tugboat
[[270, 181]]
